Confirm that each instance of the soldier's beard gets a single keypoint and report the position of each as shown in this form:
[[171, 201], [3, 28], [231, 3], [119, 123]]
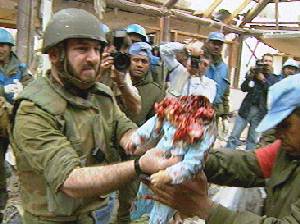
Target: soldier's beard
[[69, 76]]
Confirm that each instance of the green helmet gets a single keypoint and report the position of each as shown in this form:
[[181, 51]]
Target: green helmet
[[71, 23]]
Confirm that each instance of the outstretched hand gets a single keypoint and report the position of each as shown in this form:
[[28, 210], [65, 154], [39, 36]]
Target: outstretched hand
[[154, 160], [190, 198]]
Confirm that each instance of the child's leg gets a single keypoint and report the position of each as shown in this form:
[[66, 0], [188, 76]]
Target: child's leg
[[160, 214], [140, 205]]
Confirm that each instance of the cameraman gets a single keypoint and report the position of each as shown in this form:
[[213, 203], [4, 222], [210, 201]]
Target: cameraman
[[253, 107], [188, 65], [114, 72]]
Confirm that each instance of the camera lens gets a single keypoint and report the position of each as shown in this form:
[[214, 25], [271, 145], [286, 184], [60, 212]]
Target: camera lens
[[121, 61], [195, 62]]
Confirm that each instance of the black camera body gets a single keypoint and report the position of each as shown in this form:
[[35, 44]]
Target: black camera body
[[195, 62], [260, 67], [120, 40], [121, 61]]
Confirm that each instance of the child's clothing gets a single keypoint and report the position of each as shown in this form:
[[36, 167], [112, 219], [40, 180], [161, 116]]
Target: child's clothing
[[192, 162]]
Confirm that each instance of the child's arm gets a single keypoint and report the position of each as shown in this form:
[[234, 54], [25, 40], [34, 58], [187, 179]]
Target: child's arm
[[145, 137]]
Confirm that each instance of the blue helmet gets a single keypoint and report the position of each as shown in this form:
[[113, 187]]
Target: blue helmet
[[138, 29], [104, 28], [6, 37]]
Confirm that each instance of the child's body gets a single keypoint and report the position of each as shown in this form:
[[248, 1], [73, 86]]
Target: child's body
[[192, 150]]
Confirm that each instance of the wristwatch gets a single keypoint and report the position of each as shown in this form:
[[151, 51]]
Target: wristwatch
[[137, 167]]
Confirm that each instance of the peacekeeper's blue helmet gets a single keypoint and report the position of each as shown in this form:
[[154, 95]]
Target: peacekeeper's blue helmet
[[6, 37], [138, 29], [104, 28]]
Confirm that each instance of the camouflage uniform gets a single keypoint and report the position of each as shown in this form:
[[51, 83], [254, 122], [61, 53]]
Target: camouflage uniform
[[57, 131], [242, 169], [150, 93], [12, 70]]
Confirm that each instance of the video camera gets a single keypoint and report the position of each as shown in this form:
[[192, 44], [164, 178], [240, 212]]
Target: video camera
[[260, 67], [120, 40]]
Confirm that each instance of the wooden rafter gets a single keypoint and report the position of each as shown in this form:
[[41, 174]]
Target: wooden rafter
[[277, 13], [237, 10], [153, 11], [169, 4], [287, 28], [254, 12], [212, 8]]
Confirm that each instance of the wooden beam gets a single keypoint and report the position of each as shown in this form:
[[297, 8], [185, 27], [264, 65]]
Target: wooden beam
[[287, 28], [276, 13], [137, 8], [254, 12], [206, 22], [178, 6], [165, 28], [212, 8], [178, 14], [8, 23], [25, 26], [169, 4], [195, 35], [236, 78], [273, 22], [237, 10]]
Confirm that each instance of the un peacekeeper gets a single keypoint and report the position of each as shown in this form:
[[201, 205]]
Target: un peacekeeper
[[140, 73], [13, 75], [276, 167], [65, 125]]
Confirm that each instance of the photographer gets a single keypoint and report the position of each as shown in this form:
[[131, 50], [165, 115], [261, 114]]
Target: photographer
[[114, 72], [253, 107], [187, 65]]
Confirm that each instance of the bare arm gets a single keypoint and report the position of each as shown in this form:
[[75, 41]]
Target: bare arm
[[100, 180], [91, 181]]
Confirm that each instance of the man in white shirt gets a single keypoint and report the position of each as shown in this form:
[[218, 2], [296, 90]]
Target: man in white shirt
[[188, 77]]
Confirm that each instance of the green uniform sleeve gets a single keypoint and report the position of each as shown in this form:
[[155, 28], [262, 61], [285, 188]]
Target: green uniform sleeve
[[226, 102], [39, 138], [222, 215], [123, 123], [236, 168], [158, 98]]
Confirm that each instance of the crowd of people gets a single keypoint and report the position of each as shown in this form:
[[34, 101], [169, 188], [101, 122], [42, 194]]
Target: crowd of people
[[87, 133]]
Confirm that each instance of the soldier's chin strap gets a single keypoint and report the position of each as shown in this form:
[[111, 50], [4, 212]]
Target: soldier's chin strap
[[71, 79]]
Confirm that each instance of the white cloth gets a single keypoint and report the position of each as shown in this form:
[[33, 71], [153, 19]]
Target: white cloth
[[200, 86]]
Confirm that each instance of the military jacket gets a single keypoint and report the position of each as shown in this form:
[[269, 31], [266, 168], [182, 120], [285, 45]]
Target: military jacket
[[150, 93], [241, 169], [55, 132]]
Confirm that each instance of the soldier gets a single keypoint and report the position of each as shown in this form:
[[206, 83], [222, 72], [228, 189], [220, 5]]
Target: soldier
[[13, 75], [65, 126]]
